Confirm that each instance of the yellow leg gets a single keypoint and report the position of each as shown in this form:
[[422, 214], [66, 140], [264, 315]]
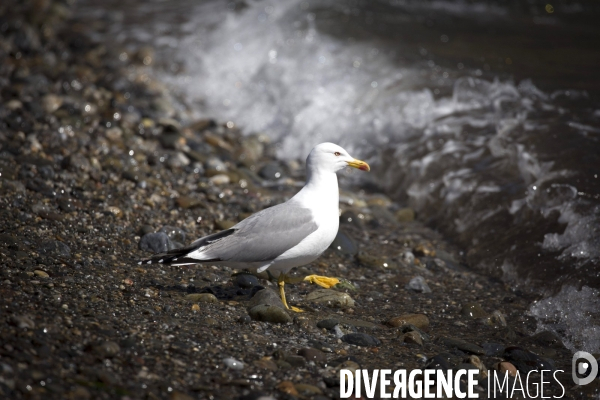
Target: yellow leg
[[281, 284], [323, 281]]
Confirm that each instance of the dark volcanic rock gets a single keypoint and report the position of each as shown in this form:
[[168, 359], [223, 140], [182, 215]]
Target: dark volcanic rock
[[361, 339]]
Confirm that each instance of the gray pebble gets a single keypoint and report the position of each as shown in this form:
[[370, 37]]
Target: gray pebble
[[202, 298], [418, 284], [245, 281], [154, 242], [493, 349], [174, 233], [216, 164], [344, 244], [272, 170], [232, 363], [330, 298], [55, 248], [327, 323], [361, 339]]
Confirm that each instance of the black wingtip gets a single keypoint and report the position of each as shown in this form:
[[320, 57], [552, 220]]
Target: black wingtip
[[178, 256]]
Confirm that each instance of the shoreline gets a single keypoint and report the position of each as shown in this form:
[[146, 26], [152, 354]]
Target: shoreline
[[94, 157]]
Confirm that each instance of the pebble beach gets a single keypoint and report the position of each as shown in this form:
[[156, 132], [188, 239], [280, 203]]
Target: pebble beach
[[100, 166]]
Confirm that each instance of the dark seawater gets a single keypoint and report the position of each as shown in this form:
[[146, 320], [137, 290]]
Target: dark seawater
[[483, 116]]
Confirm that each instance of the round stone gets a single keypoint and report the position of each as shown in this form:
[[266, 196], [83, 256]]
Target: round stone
[[267, 313], [201, 298], [419, 320], [330, 298]]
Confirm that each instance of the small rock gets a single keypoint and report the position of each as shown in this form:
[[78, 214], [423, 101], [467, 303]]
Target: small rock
[[526, 361], [116, 211], [14, 104], [418, 284], [327, 323], [177, 395], [51, 103], [311, 354], [506, 367], [216, 164], [79, 392], [331, 298], [273, 170], [438, 362], [251, 149], [287, 387], [405, 215], [411, 328], [54, 248], [114, 134], [266, 297], [419, 320], [68, 205], [496, 320], [424, 249], [547, 339], [219, 179], [412, 337], [178, 160], [267, 313], [77, 162], [201, 298], [174, 233], [361, 339], [189, 202], [305, 389], [371, 261], [107, 349], [295, 361], [245, 281], [493, 349], [462, 345], [22, 321], [472, 310], [351, 218], [157, 242], [41, 273], [344, 244], [483, 371], [232, 363], [408, 257], [266, 363]]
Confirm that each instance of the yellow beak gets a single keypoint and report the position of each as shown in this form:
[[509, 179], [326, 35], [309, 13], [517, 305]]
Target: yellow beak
[[359, 164]]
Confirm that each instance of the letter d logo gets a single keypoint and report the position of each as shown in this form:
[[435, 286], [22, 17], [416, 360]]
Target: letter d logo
[[582, 367]]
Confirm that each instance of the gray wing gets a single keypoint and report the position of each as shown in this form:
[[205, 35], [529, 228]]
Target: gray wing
[[265, 235]]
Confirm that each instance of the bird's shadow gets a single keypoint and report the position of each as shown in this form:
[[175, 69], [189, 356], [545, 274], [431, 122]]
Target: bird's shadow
[[221, 292]]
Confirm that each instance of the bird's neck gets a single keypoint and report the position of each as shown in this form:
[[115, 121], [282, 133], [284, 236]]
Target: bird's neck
[[320, 191]]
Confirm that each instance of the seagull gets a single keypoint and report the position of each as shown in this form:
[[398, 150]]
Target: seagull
[[283, 236]]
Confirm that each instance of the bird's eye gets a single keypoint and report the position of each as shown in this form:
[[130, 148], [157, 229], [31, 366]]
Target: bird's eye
[[337, 154]]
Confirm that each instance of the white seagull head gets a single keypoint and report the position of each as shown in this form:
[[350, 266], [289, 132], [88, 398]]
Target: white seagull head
[[329, 157]]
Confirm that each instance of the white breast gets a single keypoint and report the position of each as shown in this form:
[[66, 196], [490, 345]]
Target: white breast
[[323, 201]]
